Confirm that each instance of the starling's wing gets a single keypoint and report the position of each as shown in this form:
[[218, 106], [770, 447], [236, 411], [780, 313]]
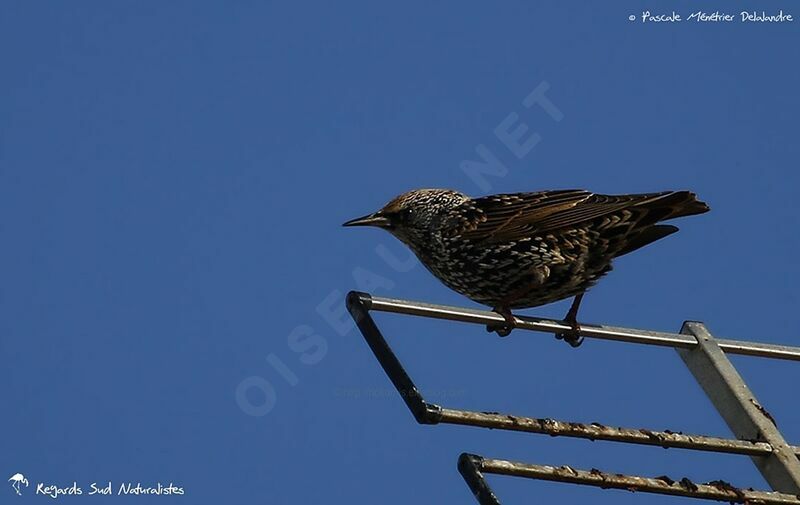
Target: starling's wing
[[498, 217], [508, 217]]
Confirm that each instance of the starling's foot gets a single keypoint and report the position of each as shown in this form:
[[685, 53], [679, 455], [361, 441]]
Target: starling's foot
[[572, 336], [502, 329]]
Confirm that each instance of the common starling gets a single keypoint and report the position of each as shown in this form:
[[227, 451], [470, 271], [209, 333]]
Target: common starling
[[520, 250]]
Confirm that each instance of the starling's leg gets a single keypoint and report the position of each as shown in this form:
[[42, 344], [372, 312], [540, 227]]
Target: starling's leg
[[571, 337], [502, 329]]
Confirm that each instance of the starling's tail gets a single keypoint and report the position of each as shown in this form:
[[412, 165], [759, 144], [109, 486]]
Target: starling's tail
[[660, 208], [673, 204]]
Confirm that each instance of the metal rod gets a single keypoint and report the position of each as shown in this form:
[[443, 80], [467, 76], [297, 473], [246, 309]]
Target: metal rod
[[739, 408], [423, 412], [716, 490], [630, 335], [595, 431], [469, 468]]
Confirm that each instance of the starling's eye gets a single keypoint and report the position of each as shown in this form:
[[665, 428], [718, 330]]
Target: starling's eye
[[407, 214]]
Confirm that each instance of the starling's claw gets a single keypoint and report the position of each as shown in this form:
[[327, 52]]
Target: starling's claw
[[576, 342], [502, 329]]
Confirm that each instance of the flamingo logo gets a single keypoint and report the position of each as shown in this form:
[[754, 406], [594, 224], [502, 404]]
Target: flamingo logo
[[16, 480]]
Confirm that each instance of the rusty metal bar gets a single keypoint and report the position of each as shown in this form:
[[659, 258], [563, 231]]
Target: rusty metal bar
[[630, 335], [739, 408], [596, 431], [715, 490]]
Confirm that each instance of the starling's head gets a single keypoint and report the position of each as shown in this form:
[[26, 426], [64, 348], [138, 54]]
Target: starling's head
[[413, 216]]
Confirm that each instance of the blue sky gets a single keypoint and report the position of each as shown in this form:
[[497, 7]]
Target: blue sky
[[174, 176]]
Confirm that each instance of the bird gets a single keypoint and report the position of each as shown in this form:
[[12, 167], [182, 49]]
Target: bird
[[521, 250], [16, 480]]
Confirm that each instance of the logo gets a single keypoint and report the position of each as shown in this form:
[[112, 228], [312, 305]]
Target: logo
[[16, 480], [56, 490]]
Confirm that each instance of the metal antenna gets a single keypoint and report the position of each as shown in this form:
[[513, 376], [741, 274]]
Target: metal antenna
[[756, 434]]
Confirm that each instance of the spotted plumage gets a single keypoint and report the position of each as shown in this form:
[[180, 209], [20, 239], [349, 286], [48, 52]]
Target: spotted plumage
[[520, 250]]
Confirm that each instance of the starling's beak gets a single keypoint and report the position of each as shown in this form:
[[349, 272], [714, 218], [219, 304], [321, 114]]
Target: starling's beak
[[375, 219]]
